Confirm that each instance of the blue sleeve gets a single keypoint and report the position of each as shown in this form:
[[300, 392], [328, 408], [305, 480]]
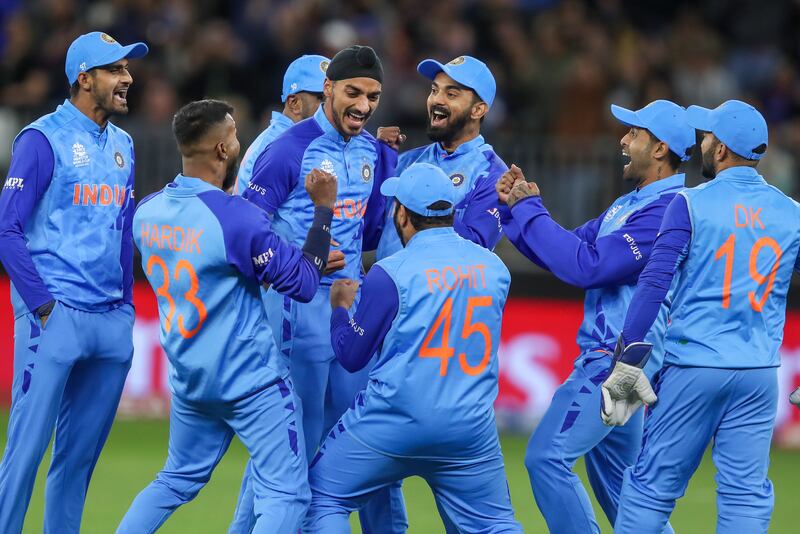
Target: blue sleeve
[[29, 176], [512, 231], [374, 217], [612, 259], [480, 222], [589, 230], [126, 252], [276, 173], [258, 253], [355, 340], [656, 279]]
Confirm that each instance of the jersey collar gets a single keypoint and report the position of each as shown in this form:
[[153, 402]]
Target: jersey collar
[[280, 118], [463, 148], [84, 122], [431, 234], [740, 174], [676, 182], [185, 186], [325, 124]]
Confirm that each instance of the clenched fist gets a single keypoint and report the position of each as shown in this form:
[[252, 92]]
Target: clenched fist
[[343, 293], [512, 187], [391, 135], [321, 187]]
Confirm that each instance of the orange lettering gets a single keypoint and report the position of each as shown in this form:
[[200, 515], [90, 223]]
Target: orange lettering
[[106, 195], [432, 279], [755, 216], [145, 235], [166, 236], [736, 210], [444, 278], [90, 194], [175, 231], [76, 195]]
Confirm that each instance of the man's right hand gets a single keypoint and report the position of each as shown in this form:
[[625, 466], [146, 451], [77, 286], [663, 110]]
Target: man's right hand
[[322, 188], [512, 186], [336, 260]]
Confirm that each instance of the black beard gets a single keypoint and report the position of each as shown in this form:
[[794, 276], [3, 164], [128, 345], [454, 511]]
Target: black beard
[[337, 120], [397, 228], [448, 133], [230, 177], [707, 168]]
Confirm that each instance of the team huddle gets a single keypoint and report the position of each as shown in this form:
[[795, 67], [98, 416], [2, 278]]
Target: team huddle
[[342, 384]]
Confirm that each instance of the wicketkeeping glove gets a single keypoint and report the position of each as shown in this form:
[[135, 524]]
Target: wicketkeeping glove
[[794, 398], [627, 387]]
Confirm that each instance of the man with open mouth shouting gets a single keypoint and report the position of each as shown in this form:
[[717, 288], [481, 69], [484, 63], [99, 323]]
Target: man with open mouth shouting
[[66, 242], [462, 92], [605, 257], [332, 140]]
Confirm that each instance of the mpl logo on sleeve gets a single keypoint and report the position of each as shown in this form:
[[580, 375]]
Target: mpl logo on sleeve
[[263, 259], [14, 183], [79, 156]]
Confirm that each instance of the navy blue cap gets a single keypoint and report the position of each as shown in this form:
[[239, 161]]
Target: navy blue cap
[[467, 71], [738, 125], [96, 49], [306, 73], [666, 120], [419, 186]]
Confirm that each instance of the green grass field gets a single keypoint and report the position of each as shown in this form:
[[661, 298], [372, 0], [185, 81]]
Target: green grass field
[[137, 449]]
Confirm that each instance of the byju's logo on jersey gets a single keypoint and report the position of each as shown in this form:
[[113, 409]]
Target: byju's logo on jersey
[[79, 156], [263, 259], [14, 183], [119, 160], [327, 166], [457, 179]]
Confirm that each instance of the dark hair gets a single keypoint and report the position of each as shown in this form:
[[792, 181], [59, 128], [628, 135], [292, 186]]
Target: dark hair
[[73, 89], [195, 119], [674, 160], [423, 222]]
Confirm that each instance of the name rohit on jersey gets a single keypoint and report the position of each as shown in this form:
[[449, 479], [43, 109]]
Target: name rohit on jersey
[[176, 238], [452, 278], [99, 195], [14, 183]]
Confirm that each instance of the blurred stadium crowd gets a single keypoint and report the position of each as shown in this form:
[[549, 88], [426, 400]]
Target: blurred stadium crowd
[[558, 64]]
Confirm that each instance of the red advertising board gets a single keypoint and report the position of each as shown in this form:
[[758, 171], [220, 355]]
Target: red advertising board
[[536, 354]]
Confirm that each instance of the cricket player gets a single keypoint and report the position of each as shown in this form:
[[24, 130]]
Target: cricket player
[[731, 245], [65, 241], [333, 140], [206, 253], [462, 92], [433, 312], [301, 97], [605, 257]]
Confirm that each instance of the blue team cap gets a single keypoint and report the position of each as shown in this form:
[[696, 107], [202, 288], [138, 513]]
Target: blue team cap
[[96, 49], [467, 71], [306, 73], [666, 120], [738, 125], [419, 186]]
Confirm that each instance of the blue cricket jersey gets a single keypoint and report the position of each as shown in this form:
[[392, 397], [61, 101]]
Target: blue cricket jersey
[[435, 309], [278, 124], [731, 245], [474, 169], [278, 184], [206, 254], [65, 214], [605, 256]]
